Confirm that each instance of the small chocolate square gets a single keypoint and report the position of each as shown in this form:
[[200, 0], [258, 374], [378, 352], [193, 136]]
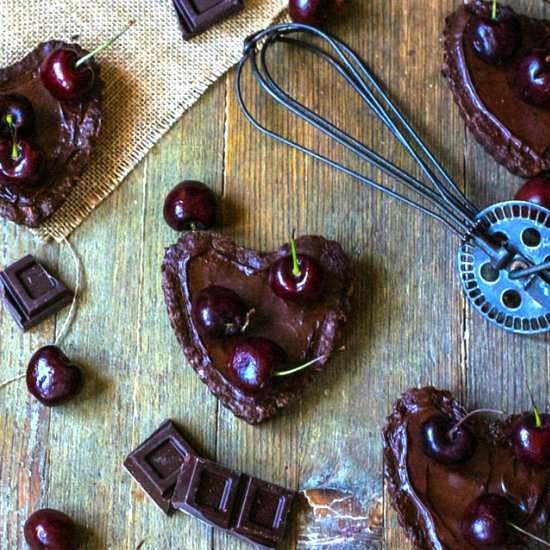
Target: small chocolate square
[[156, 463], [31, 294], [197, 16], [264, 512], [211, 491]]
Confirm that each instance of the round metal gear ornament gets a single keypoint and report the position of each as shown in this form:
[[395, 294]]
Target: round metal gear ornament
[[518, 304], [504, 255]]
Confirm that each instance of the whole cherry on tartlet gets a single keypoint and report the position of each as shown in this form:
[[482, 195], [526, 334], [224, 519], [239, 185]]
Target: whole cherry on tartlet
[[535, 190], [296, 277], [52, 378], [256, 361], [313, 12], [68, 75], [21, 163], [495, 38], [190, 205], [531, 438], [49, 529], [16, 115], [219, 312], [532, 78], [487, 524], [448, 441]]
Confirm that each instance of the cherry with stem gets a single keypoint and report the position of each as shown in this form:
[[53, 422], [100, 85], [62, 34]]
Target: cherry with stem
[[69, 76], [449, 442], [297, 277], [531, 437], [487, 523]]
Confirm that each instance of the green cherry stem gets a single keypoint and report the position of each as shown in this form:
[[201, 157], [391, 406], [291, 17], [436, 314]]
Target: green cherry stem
[[308, 364], [13, 131], [103, 46], [536, 412], [530, 535], [295, 264], [494, 11]]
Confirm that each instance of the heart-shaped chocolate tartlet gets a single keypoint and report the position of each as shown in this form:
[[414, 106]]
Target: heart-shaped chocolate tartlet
[[516, 133], [201, 259], [431, 497], [65, 131]]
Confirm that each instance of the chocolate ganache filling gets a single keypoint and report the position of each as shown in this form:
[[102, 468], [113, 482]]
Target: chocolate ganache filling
[[516, 133], [65, 131], [201, 259], [430, 498]]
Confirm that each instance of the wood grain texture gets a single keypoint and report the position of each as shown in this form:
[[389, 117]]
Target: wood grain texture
[[411, 326]]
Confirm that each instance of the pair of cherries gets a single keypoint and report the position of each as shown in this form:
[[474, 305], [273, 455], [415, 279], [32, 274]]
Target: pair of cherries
[[21, 161], [496, 38]]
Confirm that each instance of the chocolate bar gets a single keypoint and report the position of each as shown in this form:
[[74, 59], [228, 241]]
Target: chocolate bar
[[156, 463], [31, 294], [251, 509], [197, 16]]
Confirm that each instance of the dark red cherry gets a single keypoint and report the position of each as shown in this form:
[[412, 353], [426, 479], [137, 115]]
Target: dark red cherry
[[485, 524], [296, 277], [52, 378], [536, 190], [21, 164], [313, 12], [16, 114], [190, 205], [445, 442], [49, 529], [63, 79], [220, 312], [531, 439], [253, 363], [532, 78], [495, 39]]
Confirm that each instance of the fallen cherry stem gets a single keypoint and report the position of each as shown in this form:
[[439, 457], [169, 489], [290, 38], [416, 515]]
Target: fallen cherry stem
[[308, 364], [530, 535], [12, 380], [103, 46], [494, 12]]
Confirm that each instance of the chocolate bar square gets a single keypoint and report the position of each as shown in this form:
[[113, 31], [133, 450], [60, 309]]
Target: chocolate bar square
[[197, 16], [31, 294], [156, 463], [264, 512], [209, 489]]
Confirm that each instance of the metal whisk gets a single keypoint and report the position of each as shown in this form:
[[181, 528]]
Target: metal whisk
[[504, 257]]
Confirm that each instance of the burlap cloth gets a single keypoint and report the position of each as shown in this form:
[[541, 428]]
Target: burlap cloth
[[152, 76]]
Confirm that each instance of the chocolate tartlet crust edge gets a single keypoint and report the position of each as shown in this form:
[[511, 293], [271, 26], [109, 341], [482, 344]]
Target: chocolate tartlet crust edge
[[496, 139], [252, 409], [442, 400], [89, 124]]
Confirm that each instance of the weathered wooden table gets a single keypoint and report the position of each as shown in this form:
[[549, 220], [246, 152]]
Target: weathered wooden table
[[411, 324]]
